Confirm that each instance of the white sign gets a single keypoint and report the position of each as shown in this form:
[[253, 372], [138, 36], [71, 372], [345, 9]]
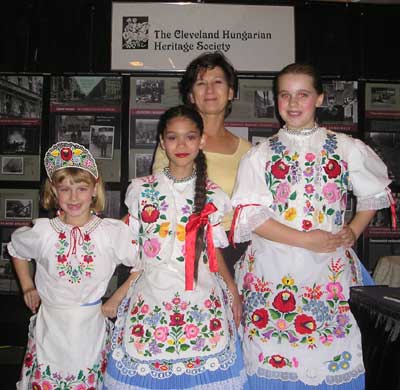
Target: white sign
[[167, 36]]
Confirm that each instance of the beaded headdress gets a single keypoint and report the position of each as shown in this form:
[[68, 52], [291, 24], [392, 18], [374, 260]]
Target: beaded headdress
[[69, 155]]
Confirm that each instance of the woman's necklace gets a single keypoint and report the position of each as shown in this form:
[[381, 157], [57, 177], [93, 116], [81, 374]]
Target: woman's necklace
[[170, 176]]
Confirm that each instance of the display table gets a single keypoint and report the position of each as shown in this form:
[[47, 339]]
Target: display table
[[387, 271], [379, 321]]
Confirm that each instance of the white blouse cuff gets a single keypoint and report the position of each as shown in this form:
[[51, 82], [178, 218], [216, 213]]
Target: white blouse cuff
[[248, 219], [373, 202], [219, 236]]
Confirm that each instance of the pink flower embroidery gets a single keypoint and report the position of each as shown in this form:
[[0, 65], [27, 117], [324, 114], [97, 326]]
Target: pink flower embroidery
[[207, 303], [144, 309], [191, 331], [310, 157], [282, 192], [309, 188], [248, 280], [151, 247], [161, 333], [47, 385], [176, 301], [335, 290], [331, 192]]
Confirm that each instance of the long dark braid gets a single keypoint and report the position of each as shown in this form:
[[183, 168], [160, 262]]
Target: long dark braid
[[200, 198]]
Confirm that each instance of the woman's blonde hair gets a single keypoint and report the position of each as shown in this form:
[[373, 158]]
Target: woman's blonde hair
[[76, 175]]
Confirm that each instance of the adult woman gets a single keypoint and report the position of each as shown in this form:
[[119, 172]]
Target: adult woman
[[210, 84]]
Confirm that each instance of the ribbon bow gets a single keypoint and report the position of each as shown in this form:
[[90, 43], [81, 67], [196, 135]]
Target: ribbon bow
[[76, 237], [236, 215], [193, 225]]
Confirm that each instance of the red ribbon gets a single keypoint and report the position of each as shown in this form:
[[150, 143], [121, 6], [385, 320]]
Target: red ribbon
[[193, 225], [236, 214], [392, 209], [74, 238]]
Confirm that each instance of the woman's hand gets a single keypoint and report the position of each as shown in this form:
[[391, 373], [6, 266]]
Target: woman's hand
[[32, 299], [237, 307], [321, 241], [110, 307], [347, 236]]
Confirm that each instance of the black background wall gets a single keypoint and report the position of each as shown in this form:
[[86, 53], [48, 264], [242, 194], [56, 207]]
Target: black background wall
[[349, 40]]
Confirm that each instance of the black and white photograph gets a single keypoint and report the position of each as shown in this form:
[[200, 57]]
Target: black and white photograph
[[143, 164], [383, 96], [135, 32], [264, 106], [257, 135], [144, 133], [21, 96], [18, 208], [149, 91], [5, 256], [113, 205], [12, 165], [340, 102], [102, 141], [20, 140], [74, 128]]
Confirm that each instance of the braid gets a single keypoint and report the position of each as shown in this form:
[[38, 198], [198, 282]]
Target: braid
[[200, 199]]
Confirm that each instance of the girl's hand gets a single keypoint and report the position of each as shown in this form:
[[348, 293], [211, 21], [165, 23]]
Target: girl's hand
[[322, 242], [347, 236], [32, 299], [110, 308], [237, 308]]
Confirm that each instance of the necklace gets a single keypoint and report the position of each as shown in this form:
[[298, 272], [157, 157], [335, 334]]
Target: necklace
[[301, 132], [170, 176]]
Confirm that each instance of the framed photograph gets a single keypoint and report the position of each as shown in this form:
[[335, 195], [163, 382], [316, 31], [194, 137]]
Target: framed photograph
[[383, 96], [20, 140], [112, 208], [102, 141], [18, 208], [257, 135], [264, 106], [149, 91], [5, 256], [144, 132], [12, 165], [143, 163], [74, 128]]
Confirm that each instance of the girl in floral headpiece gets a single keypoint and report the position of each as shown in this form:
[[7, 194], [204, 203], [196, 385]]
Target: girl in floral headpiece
[[76, 254], [290, 198], [176, 328]]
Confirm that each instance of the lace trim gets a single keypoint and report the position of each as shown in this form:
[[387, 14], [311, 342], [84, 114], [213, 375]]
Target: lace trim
[[236, 383], [250, 220], [186, 179], [59, 226], [374, 202]]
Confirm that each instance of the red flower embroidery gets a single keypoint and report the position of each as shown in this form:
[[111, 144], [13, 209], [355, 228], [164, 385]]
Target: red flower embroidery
[[66, 154], [88, 259], [134, 310], [280, 169], [28, 359], [138, 330], [307, 225], [260, 318], [62, 236], [62, 259], [176, 319], [304, 324], [277, 361], [103, 367], [215, 324], [86, 237], [217, 303], [36, 386], [150, 213], [284, 302], [332, 169]]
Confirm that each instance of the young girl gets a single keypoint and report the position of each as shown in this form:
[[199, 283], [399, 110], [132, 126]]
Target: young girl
[[175, 328], [290, 198], [76, 254]]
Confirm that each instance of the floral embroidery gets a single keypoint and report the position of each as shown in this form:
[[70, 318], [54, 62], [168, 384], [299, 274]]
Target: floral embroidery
[[340, 362], [65, 267], [317, 314], [176, 327]]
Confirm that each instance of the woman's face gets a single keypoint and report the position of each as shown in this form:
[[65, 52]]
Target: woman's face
[[211, 92]]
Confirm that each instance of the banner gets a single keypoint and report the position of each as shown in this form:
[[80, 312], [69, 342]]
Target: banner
[[167, 36]]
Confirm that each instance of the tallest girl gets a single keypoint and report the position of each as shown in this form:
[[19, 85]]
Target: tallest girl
[[209, 85], [290, 200]]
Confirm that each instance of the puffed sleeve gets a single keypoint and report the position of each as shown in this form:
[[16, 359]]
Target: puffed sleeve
[[26, 241], [131, 201], [368, 176], [124, 245], [223, 204], [251, 199], [160, 160]]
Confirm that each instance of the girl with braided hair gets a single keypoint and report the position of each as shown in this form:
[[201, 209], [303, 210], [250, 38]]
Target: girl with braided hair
[[176, 325]]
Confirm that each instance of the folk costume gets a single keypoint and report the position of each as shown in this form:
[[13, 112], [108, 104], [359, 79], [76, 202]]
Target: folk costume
[[298, 331], [173, 331]]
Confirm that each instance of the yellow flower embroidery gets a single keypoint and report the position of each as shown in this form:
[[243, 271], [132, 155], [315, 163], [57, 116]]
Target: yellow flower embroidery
[[55, 153], [321, 217], [164, 227], [180, 232], [77, 152], [288, 281], [290, 214], [295, 156]]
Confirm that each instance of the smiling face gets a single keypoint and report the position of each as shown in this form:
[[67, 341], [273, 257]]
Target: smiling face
[[181, 141], [75, 199], [211, 92], [298, 100]]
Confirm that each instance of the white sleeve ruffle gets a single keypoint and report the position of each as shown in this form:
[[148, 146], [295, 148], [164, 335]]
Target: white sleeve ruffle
[[374, 202]]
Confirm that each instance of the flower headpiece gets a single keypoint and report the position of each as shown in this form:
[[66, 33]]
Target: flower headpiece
[[69, 155]]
